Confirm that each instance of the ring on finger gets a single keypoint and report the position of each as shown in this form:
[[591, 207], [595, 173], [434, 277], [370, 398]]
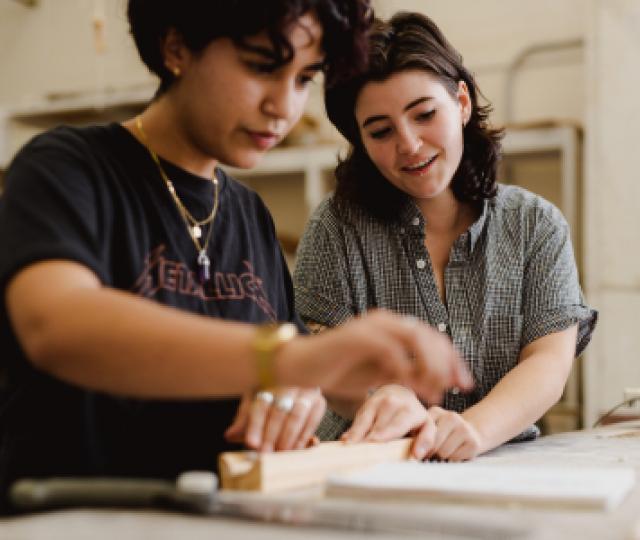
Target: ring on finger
[[265, 396], [285, 403]]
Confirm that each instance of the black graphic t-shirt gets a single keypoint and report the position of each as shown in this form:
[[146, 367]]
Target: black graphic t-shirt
[[94, 196]]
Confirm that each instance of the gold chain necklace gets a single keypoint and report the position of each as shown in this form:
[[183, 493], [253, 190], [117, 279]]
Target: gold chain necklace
[[194, 226]]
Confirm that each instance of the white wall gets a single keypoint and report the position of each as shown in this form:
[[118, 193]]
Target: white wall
[[50, 49], [612, 217], [49, 52]]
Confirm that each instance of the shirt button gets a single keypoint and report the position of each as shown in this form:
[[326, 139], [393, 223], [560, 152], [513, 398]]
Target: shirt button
[[455, 390], [442, 327], [420, 263], [415, 221]]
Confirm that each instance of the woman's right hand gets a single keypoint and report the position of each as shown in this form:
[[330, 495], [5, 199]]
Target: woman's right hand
[[392, 412], [263, 424], [369, 351]]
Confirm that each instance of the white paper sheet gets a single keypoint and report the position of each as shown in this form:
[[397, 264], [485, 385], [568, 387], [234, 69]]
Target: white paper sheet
[[581, 487]]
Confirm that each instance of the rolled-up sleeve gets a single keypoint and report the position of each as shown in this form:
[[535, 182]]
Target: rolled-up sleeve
[[553, 300]]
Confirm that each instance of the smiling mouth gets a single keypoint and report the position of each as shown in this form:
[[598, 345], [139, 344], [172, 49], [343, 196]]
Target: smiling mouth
[[421, 166]]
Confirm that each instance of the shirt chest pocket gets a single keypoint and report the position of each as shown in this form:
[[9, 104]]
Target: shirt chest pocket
[[499, 348]]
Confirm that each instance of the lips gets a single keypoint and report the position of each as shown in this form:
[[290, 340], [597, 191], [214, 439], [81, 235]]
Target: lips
[[263, 140], [419, 167]]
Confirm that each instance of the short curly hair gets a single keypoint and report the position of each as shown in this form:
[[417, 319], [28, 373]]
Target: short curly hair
[[411, 41], [345, 25]]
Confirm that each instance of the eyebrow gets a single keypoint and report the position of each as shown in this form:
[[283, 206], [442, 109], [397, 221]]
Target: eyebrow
[[377, 118], [269, 54]]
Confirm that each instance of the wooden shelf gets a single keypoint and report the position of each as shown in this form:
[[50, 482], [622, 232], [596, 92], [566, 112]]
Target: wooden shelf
[[81, 104], [79, 108]]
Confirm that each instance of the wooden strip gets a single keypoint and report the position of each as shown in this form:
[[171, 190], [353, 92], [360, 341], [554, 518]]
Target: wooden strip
[[280, 471]]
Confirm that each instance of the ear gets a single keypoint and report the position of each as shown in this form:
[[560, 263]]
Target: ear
[[175, 52], [464, 100]]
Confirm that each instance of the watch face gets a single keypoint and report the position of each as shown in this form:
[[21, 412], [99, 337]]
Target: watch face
[[269, 336]]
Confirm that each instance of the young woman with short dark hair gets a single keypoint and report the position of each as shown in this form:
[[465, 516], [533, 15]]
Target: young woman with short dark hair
[[134, 270]]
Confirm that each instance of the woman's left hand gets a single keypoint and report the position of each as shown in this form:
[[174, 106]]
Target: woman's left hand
[[278, 419], [456, 438]]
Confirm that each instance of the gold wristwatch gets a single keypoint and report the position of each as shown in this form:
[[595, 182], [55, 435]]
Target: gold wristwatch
[[268, 339]]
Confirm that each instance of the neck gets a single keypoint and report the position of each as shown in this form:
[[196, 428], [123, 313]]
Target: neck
[[166, 136], [444, 213]]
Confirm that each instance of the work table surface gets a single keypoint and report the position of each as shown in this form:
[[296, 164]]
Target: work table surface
[[612, 445]]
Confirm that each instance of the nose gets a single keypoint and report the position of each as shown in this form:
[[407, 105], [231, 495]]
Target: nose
[[283, 101], [408, 141]]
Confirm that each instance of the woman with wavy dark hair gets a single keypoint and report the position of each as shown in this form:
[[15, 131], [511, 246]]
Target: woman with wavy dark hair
[[419, 226], [134, 271]]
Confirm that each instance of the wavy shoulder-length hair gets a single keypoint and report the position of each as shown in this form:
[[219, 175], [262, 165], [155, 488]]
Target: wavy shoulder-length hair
[[411, 41]]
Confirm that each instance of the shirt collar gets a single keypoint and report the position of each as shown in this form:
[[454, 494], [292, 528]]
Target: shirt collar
[[478, 226], [411, 218]]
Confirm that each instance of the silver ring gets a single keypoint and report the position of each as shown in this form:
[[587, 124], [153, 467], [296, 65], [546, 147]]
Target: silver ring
[[285, 403], [265, 397]]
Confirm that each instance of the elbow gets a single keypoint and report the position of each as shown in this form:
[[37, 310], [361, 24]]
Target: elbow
[[42, 345], [557, 389], [557, 395], [45, 307]]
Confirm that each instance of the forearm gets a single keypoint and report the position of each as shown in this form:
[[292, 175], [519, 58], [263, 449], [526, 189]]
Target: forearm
[[526, 392], [517, 401], [112, 341], [73, 328]]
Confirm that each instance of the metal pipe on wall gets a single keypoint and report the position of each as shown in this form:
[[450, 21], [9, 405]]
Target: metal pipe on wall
[[514, 68]]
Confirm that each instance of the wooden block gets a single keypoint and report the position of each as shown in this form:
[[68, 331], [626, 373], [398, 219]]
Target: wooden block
[[278, 471]]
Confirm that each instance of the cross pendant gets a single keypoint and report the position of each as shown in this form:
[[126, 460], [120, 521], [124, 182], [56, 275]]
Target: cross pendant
[[204, 264]]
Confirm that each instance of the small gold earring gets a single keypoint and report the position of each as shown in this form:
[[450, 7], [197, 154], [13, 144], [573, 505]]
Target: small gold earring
[[176, 71]]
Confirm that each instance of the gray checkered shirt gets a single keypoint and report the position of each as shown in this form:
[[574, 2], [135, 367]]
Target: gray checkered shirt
[[511, 279]]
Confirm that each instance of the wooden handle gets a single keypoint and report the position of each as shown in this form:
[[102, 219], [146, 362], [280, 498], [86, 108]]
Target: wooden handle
[[278, 471]]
